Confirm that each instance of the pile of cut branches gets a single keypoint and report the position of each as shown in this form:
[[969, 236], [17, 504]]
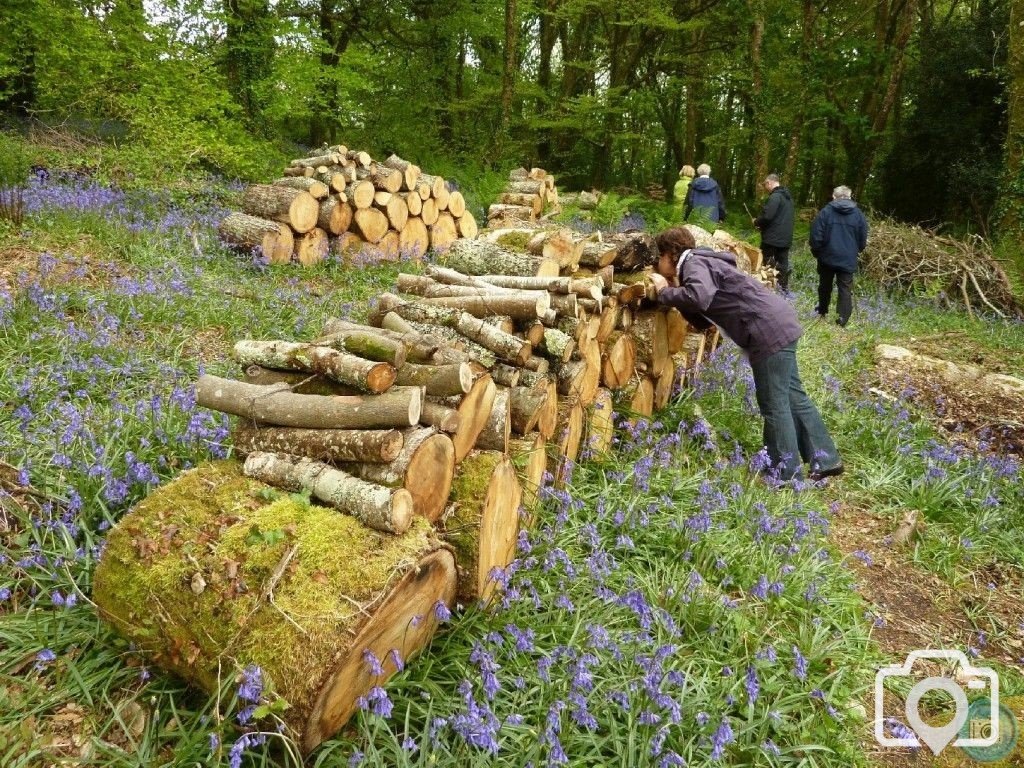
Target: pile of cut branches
[[911, 259]]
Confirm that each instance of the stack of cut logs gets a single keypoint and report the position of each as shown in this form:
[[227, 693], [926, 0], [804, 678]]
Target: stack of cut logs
[[525, 198], [433, 425], [341, 200]]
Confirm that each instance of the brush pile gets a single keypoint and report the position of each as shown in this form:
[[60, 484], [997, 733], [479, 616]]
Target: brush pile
[[914, 260], [342, 200]]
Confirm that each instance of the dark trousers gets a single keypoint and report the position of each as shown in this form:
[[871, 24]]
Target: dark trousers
[[844, 307], [793, 429], [778, 258]]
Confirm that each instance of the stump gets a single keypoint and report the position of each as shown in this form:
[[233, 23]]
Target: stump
[[206, 576]]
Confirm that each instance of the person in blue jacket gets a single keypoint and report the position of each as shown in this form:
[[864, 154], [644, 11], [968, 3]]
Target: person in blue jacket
[[705, 194], [838, 235]]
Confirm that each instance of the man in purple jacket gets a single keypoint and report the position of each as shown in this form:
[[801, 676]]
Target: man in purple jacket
[[707, 288]]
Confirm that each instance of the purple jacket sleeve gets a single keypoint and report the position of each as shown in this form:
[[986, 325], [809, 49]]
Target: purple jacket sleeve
[[695, 293]]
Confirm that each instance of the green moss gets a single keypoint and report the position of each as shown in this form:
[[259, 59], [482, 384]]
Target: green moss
[[514, 241], [462, 521], [215, 525]]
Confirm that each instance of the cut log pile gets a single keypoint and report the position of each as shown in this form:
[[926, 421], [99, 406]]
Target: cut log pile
[[383, 467], [528, 195], [341, 200]]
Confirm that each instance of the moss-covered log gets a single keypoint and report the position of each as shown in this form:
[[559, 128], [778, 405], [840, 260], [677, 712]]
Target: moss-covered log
[[206, 575], [498, 427], [478, 257], [482, 522], [419, 348], [440, 380], [530, 459], [354, 371]]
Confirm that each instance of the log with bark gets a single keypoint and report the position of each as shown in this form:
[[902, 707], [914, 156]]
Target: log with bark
[[328, 445], [335, 216], [482, 521], [479, 257], [274, 239], [530, 459], [275, 404], [498, 427], [273, 588], [366, 375], [567, 438], [315, 187], [600, 425], [311, 247], [294, 207], [423, 467], [382, 509]]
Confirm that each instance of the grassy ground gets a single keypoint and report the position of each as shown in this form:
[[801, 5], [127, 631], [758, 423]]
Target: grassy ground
[[668, 608]]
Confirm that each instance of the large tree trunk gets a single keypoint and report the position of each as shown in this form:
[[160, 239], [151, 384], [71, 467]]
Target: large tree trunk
[[482, 523], [309, 613], [1011, 222]]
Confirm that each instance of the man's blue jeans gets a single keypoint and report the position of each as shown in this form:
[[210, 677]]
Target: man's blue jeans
[[793, 429]]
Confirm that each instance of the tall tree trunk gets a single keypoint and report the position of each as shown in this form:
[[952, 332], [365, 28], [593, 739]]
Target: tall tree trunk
[[546, 38], [757, 105], [1011, 220], [508, 74], [248, 52], [796, 130]]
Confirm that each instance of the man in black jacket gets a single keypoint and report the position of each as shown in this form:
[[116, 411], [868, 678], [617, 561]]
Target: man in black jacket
[[838, 235], [776, 225]]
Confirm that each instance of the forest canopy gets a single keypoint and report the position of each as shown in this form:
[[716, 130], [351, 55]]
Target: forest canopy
[[909, 102]]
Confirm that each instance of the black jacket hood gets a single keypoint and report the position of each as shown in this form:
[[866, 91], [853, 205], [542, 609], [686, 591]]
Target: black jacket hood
[[843, 206]]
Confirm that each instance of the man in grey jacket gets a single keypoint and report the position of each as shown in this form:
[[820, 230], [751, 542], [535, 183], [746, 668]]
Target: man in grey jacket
[[776, 225], [706, 287]]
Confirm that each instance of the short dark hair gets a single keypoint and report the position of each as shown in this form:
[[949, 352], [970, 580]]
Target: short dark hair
[[675, 240]]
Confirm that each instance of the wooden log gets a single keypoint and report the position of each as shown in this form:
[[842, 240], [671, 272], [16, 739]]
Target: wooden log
[[438, 189], [328, 445], [335, 216], [366, 375], [466, 226], [299, 171], [482, 522], [333, 178], [439, 380], [389, 247], [412, 202], [501, 212], [274, 239], [502, 323], [424, 191], [479, 257], [382, 509], [299, 382], [419, 348], [598, 254], [414, 240], [400, 407], [664, 383], [327, 158], [505, 345], [307, 612], [526, 188], [557, 245], [537, 364], [456, 347], [557, 345], [567, 439], [638, 395], [440, 416], [618, 359], [396, 210], [694, 351], [474, 409], [498, 427], [424, 468], [384, 178], [294, 207], [610, 315], [456, 205], [360, 194], [534, 202], [600, 425], [547, 420], [410, 172], [443, 232], [311, 247], [589, 287], [650, 333], [361, 159], [348, 244], [530, 459], [527, 406], [505, 375], [429, 212], [316, 188], [370, 224]]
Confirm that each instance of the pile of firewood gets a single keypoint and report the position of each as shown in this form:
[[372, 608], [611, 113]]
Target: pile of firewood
[[430, 428], [526, 196], [341, 200]]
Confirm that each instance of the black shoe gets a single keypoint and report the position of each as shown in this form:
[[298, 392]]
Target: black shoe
[[821, 474]]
